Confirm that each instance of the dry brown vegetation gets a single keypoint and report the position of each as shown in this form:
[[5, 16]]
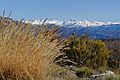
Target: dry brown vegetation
[[26, 51]]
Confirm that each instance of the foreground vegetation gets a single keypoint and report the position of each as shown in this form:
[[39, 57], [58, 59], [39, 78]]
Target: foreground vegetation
[[114, 60], [26, 51], [87, 56], [29, 52]]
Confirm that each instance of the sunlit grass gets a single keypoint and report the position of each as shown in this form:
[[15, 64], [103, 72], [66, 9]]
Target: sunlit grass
[[26, 51]]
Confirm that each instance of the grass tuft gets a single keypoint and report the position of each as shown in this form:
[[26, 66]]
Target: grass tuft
[[26, 51]]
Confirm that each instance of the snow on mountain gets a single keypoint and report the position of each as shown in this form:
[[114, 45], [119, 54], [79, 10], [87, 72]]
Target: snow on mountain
[[39, 22], [95, 29], [71, 23]]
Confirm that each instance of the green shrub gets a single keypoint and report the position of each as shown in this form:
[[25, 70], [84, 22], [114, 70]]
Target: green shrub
[[110, 78], [83, 72], [86, 52]]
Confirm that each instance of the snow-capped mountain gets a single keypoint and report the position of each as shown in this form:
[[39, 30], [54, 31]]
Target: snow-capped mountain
[[95, 29], [71, 23], [48, 21]]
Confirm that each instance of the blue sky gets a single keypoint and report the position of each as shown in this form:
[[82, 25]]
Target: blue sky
[[101, 10]]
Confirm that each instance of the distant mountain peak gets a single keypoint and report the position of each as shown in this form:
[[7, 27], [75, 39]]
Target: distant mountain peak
[[95, 29], [72, 23]]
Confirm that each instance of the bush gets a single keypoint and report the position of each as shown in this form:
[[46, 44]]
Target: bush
[[83, 72], [110, 78], [114, 60], [86, 52]]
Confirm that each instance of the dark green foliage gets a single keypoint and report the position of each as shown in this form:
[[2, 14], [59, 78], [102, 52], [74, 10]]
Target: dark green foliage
[[83, 72], [110, 78], [86, 52], [114, 46]]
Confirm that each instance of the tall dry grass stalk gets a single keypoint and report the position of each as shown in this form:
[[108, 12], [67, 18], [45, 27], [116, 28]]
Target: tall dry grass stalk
[[26, 51]]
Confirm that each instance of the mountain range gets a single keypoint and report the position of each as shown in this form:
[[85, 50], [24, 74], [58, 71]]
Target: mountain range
[[95, 29]]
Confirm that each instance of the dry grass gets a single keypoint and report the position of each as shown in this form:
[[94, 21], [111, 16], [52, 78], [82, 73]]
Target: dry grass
[[26, 51]]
